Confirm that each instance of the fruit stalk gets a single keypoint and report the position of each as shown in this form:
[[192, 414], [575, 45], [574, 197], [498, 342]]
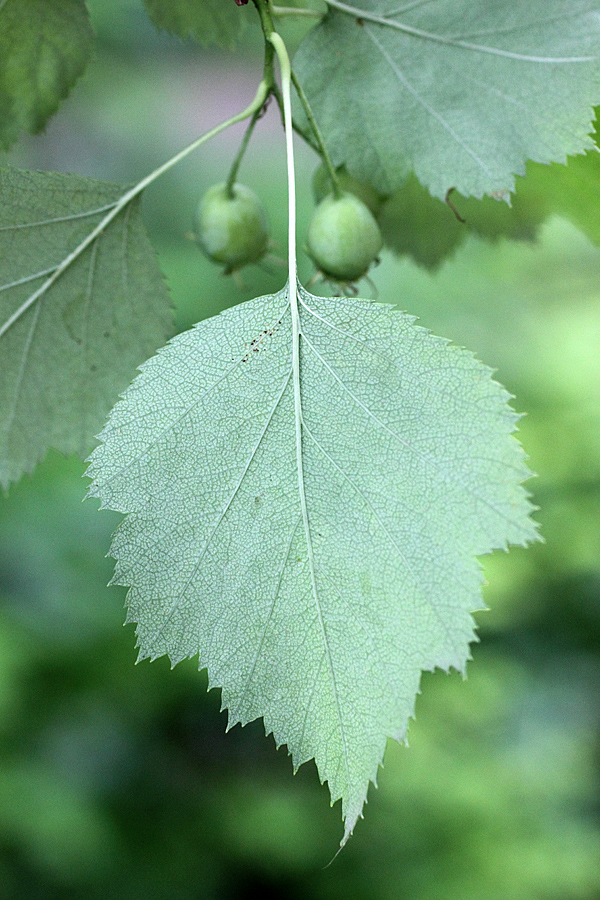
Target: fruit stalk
[[240, 154], [335, 184]]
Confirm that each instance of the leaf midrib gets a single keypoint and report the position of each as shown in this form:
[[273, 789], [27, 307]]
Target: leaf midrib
[[298, 423], [451, 41]]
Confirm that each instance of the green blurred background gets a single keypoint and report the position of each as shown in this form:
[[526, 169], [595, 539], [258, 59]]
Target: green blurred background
[[119, 781]]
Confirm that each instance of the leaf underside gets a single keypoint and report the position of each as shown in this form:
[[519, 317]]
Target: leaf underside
[[461, 93], [210, 22], [66, 358], [44, 48], [316, 553]]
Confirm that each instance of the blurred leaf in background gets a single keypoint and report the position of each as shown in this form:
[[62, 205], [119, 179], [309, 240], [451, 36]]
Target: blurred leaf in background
[[120, 781], [44, 49]]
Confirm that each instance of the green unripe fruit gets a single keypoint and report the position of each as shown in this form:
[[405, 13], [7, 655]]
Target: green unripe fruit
[[343, 238], [321, 186], [232, 231]]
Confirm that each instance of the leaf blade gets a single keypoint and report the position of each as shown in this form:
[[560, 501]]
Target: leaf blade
[[210, 22], [320, 621], [432, 99], [44, 49], [69, 348]]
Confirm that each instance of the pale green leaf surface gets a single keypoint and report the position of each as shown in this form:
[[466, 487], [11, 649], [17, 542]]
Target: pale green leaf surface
[[210, 22], [66, 358], [318, 619], [44, 48], [460, 92]]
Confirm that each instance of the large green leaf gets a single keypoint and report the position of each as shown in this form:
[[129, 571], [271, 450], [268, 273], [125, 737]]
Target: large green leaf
[[313, 539], [461, 92], [69, 342], [218, 22], [44, 48]]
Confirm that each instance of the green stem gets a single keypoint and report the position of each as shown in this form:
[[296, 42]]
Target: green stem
[[269, 81], [240, 154], [266, 21], [254, 107], [300, 131], [306, 137], [281, 11], [322, 149], [265, 12]]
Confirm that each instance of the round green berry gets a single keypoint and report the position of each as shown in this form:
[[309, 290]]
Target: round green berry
[[343, 238], [232, 230]]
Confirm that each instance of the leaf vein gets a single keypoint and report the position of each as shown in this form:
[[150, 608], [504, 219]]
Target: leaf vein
[[393, 434], [450, 41], [271, 609], [175, 605], [21, 373], [27, 278], [427, 106], [70, 218]]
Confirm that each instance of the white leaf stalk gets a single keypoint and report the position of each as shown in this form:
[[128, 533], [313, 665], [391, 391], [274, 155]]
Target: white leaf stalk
[[286, 87], [286, 83]]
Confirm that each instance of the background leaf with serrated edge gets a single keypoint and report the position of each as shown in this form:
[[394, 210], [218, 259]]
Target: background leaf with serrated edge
[[314, 544], [67, 357], [415, 224], [207, 21], [462, 93], [44, 48]]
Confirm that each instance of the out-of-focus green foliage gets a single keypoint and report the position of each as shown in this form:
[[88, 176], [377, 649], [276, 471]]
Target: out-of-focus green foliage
[[420, 226], [44, 49], [119, 781], [208, 22]]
